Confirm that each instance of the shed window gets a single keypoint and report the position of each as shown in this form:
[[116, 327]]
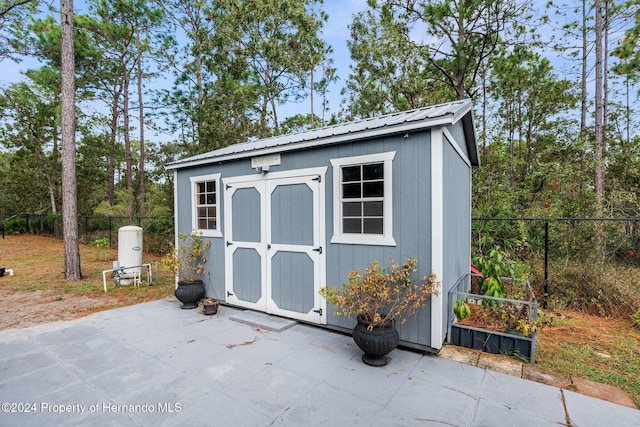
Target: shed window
[[205, 209], [362, 200]]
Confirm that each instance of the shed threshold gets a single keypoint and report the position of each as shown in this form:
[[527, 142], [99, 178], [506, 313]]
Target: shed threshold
[[263, 320]]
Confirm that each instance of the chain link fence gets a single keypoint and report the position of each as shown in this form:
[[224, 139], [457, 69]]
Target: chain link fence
[[583, 263]]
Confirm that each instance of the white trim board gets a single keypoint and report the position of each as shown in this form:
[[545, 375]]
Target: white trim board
[[437, 233], [386, 239]]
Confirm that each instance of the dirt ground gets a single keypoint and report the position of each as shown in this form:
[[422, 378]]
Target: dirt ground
[[22, 309], [38, 293]]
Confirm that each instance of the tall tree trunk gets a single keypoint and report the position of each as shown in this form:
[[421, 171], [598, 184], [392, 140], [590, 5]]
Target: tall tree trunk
[[111, 156], [605, 82], [200, 84], [599, 139], [69, 194], [141, 106], [55, 182], [311, 94], [583, 78]]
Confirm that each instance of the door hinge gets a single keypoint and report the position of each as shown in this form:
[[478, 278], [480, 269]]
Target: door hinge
[[229, 243], [317, 178], [229, 293], [319, 311], [318, 249]]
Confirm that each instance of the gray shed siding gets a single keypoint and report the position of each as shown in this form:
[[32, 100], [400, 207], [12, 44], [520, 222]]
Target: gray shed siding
[[431, 210], [457, 220], [458, 134], [411, 215]]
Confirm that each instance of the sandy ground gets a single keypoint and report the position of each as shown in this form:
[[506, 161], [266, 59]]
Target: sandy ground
[[38, 293], [25, 309]]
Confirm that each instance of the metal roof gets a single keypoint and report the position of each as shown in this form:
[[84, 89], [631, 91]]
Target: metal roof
[[422, 118]]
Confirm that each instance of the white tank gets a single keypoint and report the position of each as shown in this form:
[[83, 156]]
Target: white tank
[[130, 252]]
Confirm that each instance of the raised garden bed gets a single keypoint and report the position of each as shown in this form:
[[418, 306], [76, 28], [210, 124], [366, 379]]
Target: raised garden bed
[[485, 330]]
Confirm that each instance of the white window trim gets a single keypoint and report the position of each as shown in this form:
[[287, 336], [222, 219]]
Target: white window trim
[[385, 239], [194, 210]]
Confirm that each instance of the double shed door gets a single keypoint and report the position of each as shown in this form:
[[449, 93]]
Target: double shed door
[[274, 238]]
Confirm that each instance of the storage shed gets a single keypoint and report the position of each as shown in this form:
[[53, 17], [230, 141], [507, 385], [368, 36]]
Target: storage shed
[[289, 214]]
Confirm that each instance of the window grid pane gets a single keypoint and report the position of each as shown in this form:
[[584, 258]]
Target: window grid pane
[[363, 199], [206, 205]]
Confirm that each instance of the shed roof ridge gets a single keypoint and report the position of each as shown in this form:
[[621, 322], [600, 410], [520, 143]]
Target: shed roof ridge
[[332, 133]]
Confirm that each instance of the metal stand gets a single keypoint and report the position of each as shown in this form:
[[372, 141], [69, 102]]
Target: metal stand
[[121, 272]]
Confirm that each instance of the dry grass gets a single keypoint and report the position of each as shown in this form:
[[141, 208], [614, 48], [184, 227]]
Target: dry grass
[[38, 292], [606, 350]]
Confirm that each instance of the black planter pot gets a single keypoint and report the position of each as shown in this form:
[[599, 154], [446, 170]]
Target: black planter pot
[[377, 342], [189, 293]]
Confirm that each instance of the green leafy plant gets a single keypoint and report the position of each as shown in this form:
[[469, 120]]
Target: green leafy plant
[[380, 295], [494, 266], [462, 309], [103, 247], [187, 261], [635, 317]]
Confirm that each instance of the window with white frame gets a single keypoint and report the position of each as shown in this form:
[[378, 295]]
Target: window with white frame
[[206, 203], [362, 195]]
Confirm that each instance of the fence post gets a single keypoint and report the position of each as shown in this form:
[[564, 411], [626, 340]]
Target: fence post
[[546, 264]]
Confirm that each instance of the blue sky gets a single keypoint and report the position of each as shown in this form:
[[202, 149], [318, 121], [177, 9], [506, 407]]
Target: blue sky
[[335, 32]]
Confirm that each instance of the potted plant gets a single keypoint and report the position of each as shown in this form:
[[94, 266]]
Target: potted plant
[[376, 299], [187, 262], [210, 306]]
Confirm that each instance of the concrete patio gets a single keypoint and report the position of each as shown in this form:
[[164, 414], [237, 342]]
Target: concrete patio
[[155, 364]]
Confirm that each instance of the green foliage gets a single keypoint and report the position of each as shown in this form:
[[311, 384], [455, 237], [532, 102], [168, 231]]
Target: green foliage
[[494, 266], [461, 309], [15, 225], [101, 243], [400, 61], [388, 74], [635, 317], [12, 17], [263, 51], [628, 49]]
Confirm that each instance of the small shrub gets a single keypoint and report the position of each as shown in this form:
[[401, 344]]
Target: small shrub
[[380, 295], [602, 289], [15, 225], [103, 246]]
